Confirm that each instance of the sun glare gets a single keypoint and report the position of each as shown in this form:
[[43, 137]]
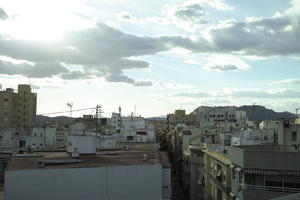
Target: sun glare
[[44, 20]]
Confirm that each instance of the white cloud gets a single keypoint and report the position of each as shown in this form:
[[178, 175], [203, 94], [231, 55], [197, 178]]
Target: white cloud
[[260, 93], [196, 94], [216, 4], [289, 81], [222, 63]]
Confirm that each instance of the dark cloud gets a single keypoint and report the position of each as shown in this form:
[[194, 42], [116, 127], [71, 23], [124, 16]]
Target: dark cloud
[[120, 78], [3, 15], [223, 67], [74, 75], [261, 37], [126, 79], [127, 16], [101, 51], [38, 70], [194, 14]]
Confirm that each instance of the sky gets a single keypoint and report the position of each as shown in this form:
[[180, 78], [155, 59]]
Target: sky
[[152, 57]]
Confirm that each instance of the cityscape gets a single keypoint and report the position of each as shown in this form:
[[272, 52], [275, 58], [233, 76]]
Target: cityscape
[[149, 100], [210, 153]]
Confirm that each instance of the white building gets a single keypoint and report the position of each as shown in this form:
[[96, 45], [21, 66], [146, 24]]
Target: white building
[[133, 128], [40, 137], [113, 175]]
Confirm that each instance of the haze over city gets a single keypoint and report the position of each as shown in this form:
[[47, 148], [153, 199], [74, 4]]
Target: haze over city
[[156, 56]]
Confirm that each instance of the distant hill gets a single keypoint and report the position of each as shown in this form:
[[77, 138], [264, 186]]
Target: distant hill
[[259, 113], [42, 119]]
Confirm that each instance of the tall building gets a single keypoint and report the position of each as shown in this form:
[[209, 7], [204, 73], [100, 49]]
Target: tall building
[[17, 109]]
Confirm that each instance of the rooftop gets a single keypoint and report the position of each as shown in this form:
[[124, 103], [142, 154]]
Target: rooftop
[[218, 156], [270, 148], [57, 160]]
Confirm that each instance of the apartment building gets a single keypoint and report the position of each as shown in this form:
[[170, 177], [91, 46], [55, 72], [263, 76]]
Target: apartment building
[[180, 117], [17, 109], [264, 171]]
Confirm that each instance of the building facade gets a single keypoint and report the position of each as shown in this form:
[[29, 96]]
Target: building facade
[[17, 109]]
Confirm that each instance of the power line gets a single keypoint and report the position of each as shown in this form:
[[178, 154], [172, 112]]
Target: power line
[[68, 111]]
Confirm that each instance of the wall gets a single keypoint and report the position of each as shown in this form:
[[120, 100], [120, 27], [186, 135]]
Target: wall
[[134, 182], [263, 159], [83, 144]]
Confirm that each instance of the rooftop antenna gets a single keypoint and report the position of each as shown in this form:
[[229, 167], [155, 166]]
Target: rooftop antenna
[[70, 105]]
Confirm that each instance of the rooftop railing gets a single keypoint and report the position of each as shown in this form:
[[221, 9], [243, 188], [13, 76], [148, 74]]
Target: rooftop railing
[[270, 188]]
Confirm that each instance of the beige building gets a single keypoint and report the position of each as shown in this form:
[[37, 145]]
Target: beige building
[[17, 109]]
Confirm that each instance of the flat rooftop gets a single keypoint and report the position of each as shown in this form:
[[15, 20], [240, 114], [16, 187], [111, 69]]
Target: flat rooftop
[[59, 160], [272, 148], [218, 156]]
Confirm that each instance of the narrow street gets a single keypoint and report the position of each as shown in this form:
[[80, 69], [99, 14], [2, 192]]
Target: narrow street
[[177, 192]]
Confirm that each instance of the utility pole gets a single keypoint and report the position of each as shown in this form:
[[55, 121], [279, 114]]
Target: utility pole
[[70, 105], [297, 112], [98, 113]]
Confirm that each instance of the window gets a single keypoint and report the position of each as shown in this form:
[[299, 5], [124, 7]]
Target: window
[[233, 174], [129, 137], [5, 99], [294, 136]]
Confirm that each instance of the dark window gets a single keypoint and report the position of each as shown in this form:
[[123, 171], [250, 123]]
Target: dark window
[[294, 136], [129, 137], [5, 99]]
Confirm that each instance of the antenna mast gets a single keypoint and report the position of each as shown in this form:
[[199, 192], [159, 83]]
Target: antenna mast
[[70, 105]]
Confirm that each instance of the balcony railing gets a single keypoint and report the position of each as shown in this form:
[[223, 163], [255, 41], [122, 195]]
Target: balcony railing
[[270, 188]]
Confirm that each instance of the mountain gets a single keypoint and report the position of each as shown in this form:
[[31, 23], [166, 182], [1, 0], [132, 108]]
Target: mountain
[[259, 113]]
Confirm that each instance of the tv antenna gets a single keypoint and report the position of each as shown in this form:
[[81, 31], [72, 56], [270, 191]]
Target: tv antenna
[[70, 106]]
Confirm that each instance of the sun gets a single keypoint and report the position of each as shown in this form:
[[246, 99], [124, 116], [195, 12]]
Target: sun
[[43, 20]]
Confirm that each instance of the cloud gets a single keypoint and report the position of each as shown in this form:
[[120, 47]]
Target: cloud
[[222, 67], [126, 79], [188, 16], [126, 16], [38, 70], [262, 37], [223, 63], [196, 94], [258, 93], [101, 51], [143, 83], [216, 4], [3, 15], [289, 81], [74, 75]]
